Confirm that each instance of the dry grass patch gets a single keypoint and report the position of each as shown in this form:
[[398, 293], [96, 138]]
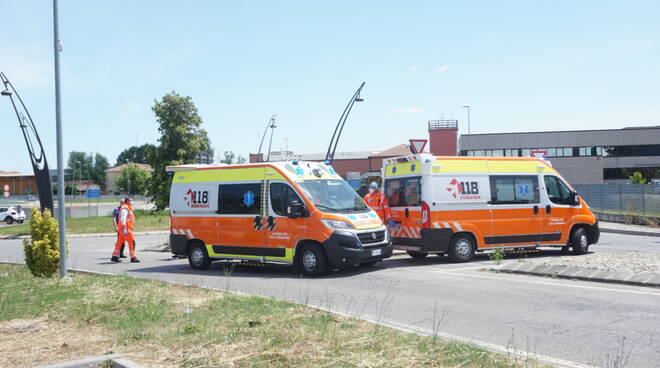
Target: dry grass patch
[[164, 325]]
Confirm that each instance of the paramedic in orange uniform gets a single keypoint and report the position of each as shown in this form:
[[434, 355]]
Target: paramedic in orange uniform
[[125, 226], [378, 202]]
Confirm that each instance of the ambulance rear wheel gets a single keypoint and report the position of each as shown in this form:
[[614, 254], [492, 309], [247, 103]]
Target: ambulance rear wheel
[[312, 260], [461, 248], [417, 255], [197, 257]]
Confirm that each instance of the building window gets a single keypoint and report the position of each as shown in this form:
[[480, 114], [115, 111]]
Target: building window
[[498, 153], [552, 152], [599, 151], [626, 172], [568, 151], [479, 153], [526, 152]]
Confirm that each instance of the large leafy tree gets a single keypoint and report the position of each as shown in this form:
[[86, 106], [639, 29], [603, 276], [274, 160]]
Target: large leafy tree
[[133, 180], [136, 154], [100, 165], [80, 165], [181, 139], [83, 166]]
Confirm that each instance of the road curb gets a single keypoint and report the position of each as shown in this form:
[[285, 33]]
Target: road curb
[[629, 232], [585, 274]]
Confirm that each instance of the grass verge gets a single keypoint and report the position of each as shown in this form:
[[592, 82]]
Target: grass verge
[[159, 324], [144, 221]]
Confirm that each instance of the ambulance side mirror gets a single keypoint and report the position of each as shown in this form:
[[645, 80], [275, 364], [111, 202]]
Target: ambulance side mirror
[[295, 210], [574, 200]]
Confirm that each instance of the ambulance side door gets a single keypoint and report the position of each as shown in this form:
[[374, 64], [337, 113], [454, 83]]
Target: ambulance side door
[[240, 218], [283, 232], [515, 210], [557, 211]]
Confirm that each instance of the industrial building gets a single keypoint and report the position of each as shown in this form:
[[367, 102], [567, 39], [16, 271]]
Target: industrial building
[[582, 156]]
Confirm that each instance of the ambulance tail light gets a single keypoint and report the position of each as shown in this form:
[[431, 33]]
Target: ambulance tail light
[[426, 215]]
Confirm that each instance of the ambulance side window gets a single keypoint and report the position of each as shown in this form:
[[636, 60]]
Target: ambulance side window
[[239, 199], [403, 192], [514, 189], [281, 196], [558, 192]]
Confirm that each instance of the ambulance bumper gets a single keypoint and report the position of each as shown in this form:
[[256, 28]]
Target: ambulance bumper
[[344, 249]]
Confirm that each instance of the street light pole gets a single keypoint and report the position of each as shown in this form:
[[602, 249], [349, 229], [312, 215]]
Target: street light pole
[[60, 156], [467, 107], [330, 155]]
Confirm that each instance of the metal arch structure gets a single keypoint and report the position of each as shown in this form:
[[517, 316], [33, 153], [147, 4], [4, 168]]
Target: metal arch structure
[[34, 145], [330, 155]]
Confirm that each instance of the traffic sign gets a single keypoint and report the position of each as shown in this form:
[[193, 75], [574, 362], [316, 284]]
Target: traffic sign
[[417, 145], [539, 154], [6, 194], [6, 187], [93, 193]]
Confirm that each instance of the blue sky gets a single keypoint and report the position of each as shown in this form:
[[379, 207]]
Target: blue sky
[[522, 66]]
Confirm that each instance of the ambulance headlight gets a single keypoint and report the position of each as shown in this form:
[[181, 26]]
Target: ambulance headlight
[[337, 224]]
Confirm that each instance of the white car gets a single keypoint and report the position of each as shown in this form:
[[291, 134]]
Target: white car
[[11, 214]]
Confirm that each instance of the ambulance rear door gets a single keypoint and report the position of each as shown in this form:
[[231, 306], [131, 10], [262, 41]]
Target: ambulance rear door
[[404, 195]]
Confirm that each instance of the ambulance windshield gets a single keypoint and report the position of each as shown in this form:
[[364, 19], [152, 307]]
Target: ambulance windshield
[[333, 196]]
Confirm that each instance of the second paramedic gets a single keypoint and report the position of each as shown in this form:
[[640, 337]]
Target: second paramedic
[[378, 202], [125, 225]]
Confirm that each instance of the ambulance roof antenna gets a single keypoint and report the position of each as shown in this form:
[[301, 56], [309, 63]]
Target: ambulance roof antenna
[[270, 122], [330, 155], [272, 130]]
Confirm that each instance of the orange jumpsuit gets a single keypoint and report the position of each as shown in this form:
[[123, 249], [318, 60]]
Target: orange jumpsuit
[[126, 224], [378, 202]]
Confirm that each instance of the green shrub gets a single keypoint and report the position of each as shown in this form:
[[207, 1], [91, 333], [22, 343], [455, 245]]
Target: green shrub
[[42, 254], [140, 212]]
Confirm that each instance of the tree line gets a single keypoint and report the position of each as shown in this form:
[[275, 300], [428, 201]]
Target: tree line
[[182, 140]]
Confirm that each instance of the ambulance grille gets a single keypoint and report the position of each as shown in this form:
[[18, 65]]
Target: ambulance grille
[[371, 237]]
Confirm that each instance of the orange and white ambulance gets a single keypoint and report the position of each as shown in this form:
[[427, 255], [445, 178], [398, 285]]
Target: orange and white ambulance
[[295, 212], [462, 205]]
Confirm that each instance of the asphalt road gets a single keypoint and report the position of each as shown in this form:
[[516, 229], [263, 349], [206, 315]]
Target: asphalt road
[[574, 321]]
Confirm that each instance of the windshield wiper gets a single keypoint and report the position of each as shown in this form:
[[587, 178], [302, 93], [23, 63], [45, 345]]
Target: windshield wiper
[[321, 207]]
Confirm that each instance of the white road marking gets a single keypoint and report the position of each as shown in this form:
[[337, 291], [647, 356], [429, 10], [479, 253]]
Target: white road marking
[[567, 284]]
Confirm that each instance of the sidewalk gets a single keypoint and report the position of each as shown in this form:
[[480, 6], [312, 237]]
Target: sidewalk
[[613, 227], [98, 235]]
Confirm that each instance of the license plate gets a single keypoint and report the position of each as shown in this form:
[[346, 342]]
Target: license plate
[[376, 252]]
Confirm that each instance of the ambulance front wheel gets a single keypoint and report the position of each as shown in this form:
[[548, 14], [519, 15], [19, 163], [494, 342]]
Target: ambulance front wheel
[[313, 260], [580, 241], [197, 257], [461, 248]]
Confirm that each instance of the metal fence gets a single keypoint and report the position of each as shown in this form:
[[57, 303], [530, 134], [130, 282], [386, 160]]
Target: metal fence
[[627, 199]]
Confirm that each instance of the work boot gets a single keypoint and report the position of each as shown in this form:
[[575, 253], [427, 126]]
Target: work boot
[[122, 256], [135, 260], [115, 259]]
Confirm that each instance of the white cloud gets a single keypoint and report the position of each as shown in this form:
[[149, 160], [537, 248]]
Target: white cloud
[[441, 69], [413, 68], [408, 110]]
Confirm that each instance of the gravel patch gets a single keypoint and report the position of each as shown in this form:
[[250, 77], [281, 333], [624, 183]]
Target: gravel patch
[[614, 261]]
